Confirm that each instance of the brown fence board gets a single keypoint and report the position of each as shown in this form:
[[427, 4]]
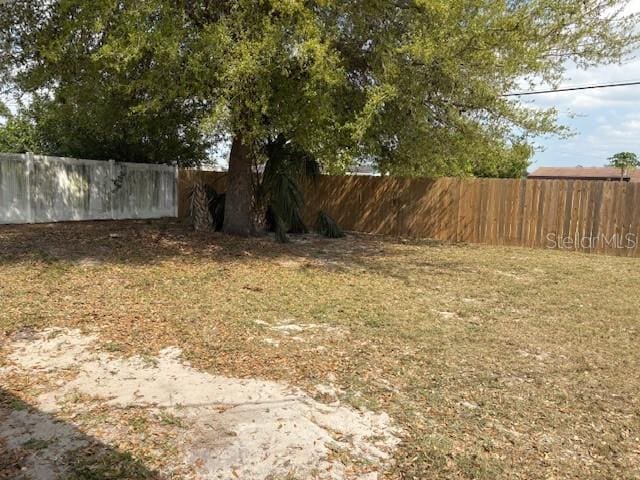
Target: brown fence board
[[606, 212], [585, 199], [621, 196], [635, 223], [627, 214], [610, 218], [562, 208]]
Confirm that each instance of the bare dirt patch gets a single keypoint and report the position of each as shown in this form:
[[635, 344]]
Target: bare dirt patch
[[225, 427]]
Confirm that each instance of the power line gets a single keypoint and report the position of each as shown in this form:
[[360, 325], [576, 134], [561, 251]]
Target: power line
[[572, 89]]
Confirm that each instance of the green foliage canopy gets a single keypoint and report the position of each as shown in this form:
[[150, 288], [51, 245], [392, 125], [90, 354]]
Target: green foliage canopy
[[414, 86], [17, 132], [102, 123]]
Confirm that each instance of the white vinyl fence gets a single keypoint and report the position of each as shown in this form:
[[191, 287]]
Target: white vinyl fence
[[40, 189]]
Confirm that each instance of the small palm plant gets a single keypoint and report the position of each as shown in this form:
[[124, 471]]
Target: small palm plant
[[206, 207], [279, 199], [200, 208], [279, 188], [328, 227]]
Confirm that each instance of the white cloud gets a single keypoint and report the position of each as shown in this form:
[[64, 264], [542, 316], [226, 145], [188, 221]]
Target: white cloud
[[606, 120], [632, 7], [627, 130], [582, 101], [595, 142]]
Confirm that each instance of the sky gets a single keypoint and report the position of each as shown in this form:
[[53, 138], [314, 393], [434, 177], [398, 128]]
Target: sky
[[604, 121]]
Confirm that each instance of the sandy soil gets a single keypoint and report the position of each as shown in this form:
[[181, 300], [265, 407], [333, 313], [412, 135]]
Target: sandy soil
[[242, 428]]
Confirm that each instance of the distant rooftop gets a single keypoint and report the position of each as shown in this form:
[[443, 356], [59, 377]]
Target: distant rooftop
[[363, 170], [583, 173]]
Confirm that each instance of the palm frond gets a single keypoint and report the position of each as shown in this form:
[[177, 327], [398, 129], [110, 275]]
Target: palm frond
[[280, 229], [280, 189], [296, 223], [199, 207], [205, 201], [328, 227]]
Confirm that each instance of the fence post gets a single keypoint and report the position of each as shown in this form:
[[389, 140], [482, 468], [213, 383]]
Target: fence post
[[28, 175], [176, 191], [112, 190]]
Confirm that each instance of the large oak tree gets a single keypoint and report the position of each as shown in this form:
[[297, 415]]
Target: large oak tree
[[415, 86]]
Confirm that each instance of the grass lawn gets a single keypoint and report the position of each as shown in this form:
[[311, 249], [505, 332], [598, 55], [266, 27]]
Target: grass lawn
[[495, 362]]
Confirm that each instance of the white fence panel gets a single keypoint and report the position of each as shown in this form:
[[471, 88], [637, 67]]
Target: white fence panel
[[35, 188], [14, 190], [144, 192], [65, 189]]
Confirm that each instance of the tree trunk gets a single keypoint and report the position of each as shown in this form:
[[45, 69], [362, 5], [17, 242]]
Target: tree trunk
[[237, 210]]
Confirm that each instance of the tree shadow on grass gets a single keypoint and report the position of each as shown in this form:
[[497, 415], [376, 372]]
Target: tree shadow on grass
[[36, 446], [149, 242]]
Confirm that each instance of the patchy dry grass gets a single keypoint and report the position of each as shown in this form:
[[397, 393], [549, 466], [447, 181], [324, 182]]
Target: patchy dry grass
[[496, 362]]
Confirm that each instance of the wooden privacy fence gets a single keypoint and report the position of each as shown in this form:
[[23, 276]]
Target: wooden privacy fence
[[590, 216]]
